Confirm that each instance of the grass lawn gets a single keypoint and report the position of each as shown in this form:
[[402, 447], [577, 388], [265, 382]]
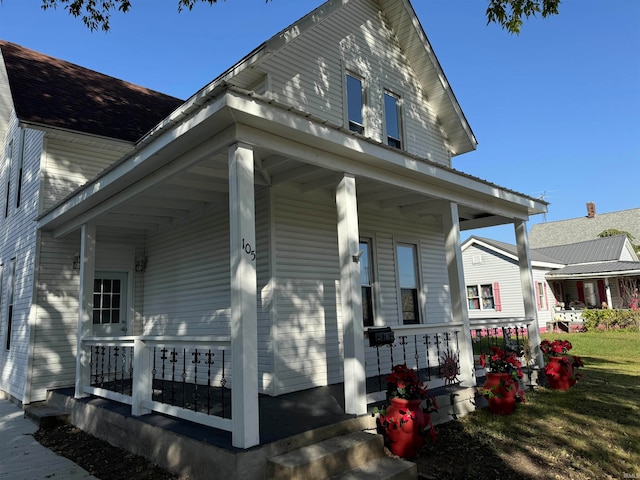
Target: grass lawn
[[591, 431]]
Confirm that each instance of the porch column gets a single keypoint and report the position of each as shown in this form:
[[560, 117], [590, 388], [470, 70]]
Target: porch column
[[244, 305], [528, 288], [355, 394], [607, 288], [457, 291], [85, 305]]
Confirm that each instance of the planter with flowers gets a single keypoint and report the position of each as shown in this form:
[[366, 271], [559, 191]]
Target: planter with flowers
[[561, 369], [405, 421], [502, 388]]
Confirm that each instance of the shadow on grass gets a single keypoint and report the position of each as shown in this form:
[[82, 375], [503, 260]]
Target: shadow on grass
[[590, 431]]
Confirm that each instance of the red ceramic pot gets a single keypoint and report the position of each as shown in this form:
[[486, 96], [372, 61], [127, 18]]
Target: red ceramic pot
[[559, 372], [405, 423], [504, 388]]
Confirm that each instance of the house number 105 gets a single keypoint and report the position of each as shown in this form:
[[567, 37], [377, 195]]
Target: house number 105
[[248, 249]]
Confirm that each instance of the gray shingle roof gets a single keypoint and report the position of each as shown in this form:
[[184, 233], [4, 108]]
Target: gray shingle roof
[[51, 92], [580, 229]]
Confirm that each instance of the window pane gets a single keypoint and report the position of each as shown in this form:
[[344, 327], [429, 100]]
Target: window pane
[[365, 264], [407, 266], [355, 103], [367, 307], [392, 120], [116, 286], [96, 316], [409, 305], [97, 285]]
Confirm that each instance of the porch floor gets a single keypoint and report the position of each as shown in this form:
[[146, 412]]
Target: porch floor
[[280, 417]]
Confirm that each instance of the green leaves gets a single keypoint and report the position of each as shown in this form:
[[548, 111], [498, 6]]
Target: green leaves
[[509, 14]]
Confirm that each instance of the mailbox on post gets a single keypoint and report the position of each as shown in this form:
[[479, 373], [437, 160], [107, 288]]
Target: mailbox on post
[[381, 336]]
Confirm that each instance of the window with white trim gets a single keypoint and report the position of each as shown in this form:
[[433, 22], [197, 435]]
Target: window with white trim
[[392, 119], [19, 169], [107, 300], [481, 297], [366, 282], [407, 270], [10, 302], [541, 290], [355, 102], [8, 177]]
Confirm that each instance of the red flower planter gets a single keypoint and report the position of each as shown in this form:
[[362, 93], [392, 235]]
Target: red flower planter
[[405, 424], [504, 388], [559, 372]]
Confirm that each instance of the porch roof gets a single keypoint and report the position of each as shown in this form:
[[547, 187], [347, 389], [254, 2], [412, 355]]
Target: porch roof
[[597, 270], [181, 167]]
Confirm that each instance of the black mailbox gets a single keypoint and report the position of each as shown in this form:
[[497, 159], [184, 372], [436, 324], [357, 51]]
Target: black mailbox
[[381, 336]]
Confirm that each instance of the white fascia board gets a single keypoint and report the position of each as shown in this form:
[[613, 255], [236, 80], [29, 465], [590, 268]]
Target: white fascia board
[[350, 146]]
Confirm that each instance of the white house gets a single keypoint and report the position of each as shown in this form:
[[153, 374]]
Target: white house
[[249, 237], [567, 278]]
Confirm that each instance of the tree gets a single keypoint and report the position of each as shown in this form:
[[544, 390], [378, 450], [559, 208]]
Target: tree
[[610, 232], [95, 14]]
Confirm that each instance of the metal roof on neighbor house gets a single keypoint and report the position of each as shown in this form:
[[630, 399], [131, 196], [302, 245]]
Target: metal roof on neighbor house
[[598, 250], [597, 269], [50, 92]]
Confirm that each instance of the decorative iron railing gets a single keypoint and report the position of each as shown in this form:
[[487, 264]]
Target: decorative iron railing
[[433, 351], [184, 377], [506, 333]]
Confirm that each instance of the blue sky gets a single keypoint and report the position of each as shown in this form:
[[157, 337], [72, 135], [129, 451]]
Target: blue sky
[[556, 110]]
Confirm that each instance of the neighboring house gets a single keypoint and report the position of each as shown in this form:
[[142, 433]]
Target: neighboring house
[[566, 277], [259, 229], [574, 230]]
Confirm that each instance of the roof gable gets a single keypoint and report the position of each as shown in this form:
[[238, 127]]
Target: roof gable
[[402, 19], [53, 93]]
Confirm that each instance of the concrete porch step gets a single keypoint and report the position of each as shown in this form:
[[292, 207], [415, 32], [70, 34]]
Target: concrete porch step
[[352, 456], [384, 468], [46, 416]]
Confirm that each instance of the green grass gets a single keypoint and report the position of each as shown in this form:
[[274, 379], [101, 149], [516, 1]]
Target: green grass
[[591, 431]]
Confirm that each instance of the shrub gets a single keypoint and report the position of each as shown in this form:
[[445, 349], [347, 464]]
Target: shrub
[[616, 319]]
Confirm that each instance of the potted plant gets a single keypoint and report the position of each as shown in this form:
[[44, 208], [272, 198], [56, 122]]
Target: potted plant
[[405, 421], [561, 369], [502, 386]]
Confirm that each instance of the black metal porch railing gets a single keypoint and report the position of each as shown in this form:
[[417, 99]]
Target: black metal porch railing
[[509, 337], [111, 368], [435, 356]]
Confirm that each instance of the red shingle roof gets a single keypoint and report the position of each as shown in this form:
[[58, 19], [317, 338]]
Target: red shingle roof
[[55, 93]]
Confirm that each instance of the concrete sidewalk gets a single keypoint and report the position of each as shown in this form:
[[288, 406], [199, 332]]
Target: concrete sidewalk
[[23, 458]]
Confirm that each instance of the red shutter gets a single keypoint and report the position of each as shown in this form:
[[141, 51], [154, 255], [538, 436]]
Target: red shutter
[[602, 293], [546, 298], [496, 297], [580, 286], [538, 295]]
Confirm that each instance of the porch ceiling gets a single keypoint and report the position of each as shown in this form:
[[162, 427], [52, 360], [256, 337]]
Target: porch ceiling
[[181, 170]]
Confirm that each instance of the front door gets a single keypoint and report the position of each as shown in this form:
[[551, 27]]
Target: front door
[[110, 303]]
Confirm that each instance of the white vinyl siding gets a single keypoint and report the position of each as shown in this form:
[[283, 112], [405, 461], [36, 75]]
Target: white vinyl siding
[[308, 319], [69, 165], [19, 242], [360, 40]]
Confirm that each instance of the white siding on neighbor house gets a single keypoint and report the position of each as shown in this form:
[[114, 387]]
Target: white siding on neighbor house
[[69, 163], [18, 240], [308, 320], [483, 266], [356, 38]]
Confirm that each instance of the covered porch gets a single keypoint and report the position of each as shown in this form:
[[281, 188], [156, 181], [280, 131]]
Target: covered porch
[[229, 151]]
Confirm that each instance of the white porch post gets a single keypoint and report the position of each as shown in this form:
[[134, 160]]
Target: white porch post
[[607, 288], [244, 316], [457, 291], [85, 305], [355, 395], [528, 288]]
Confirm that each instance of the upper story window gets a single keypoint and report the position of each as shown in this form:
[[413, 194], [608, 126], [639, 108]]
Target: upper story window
[[20, 167], [407, 266], [10, 302], [355, 103], [8, 176], [392, 119], [366, 282]]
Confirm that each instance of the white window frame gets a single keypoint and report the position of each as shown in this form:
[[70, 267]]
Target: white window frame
[[369, 240], [480, 297], [542, 297], [363, 82], [419, 281], [387, 92]]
